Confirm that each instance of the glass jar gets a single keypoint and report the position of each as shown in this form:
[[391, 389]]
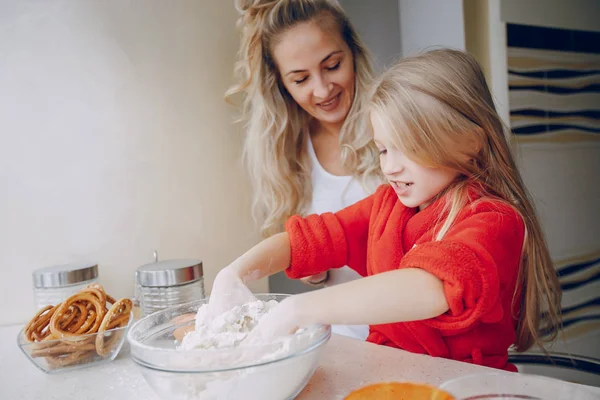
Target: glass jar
[[163, 284], [52, 285]]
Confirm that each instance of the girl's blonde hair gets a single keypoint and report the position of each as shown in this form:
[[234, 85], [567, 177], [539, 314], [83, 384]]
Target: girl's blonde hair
[[441, 113], [277, 128]]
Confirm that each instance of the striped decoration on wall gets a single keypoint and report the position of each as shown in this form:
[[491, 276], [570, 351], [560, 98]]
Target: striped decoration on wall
[[554, 84], [554, 101], [580, 283]]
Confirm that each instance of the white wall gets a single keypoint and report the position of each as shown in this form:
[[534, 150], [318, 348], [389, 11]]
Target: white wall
[[116, 140], [425, 24], [378, 25]]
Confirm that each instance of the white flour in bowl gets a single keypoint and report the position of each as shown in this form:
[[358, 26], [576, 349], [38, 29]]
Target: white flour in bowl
[[218, 345], [228, 329]]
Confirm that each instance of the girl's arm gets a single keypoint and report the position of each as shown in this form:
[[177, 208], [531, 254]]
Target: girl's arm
[[396, 296], [268, 257], [320, 242]]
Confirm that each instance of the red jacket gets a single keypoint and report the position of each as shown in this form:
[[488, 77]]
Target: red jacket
[[477, 260]]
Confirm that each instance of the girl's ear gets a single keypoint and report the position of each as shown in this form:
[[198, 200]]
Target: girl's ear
[[471, 147], [474, 142]]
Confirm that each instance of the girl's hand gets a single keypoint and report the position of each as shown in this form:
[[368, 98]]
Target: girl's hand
[[227, 292], [282, 320]]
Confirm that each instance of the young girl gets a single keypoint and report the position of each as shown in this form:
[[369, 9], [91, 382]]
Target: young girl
[[452, 255]]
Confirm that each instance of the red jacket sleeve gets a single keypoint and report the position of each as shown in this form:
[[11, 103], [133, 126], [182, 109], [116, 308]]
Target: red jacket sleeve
[[322, 242], [480, 252]]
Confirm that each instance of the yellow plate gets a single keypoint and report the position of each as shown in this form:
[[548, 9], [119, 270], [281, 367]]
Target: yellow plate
[[399, 391]]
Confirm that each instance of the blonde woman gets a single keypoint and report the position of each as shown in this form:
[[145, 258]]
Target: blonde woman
[[302, 71], [454, 261]]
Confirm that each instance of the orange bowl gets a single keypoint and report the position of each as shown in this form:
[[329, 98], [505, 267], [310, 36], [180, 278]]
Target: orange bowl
[[399, 391]]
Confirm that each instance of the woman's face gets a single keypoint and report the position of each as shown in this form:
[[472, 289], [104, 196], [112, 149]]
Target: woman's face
[[317, 69]]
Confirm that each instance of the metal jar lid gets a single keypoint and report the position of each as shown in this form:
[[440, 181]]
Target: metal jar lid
[[64, 275], [169, 273]]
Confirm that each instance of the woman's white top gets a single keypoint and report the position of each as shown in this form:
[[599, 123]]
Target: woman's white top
[[331, 193]]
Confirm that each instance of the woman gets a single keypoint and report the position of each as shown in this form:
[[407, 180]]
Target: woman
[[302, 69]]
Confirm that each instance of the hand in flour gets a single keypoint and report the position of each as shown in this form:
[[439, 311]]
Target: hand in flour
[[227, 292], [282, 320]]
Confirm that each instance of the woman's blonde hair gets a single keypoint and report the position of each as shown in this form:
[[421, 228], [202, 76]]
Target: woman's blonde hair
[[277, 128], [441, 113]]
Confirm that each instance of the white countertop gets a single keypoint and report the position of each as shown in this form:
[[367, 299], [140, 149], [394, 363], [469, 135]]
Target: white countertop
[[346, 364], [20, 379]]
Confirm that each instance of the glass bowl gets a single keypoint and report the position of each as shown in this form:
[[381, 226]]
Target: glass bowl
[[71, 353], [513, 386], [276, 371]]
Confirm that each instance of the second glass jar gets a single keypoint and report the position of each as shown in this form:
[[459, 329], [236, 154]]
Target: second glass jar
[[163, 284]]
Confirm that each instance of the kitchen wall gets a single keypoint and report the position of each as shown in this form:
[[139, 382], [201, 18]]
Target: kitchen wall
[[542, 63], [116, 140], [378, 25], [554, 96], [427, 24]]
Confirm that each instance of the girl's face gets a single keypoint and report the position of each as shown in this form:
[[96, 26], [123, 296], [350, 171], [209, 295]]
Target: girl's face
[[317, 69], [416, 185]]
